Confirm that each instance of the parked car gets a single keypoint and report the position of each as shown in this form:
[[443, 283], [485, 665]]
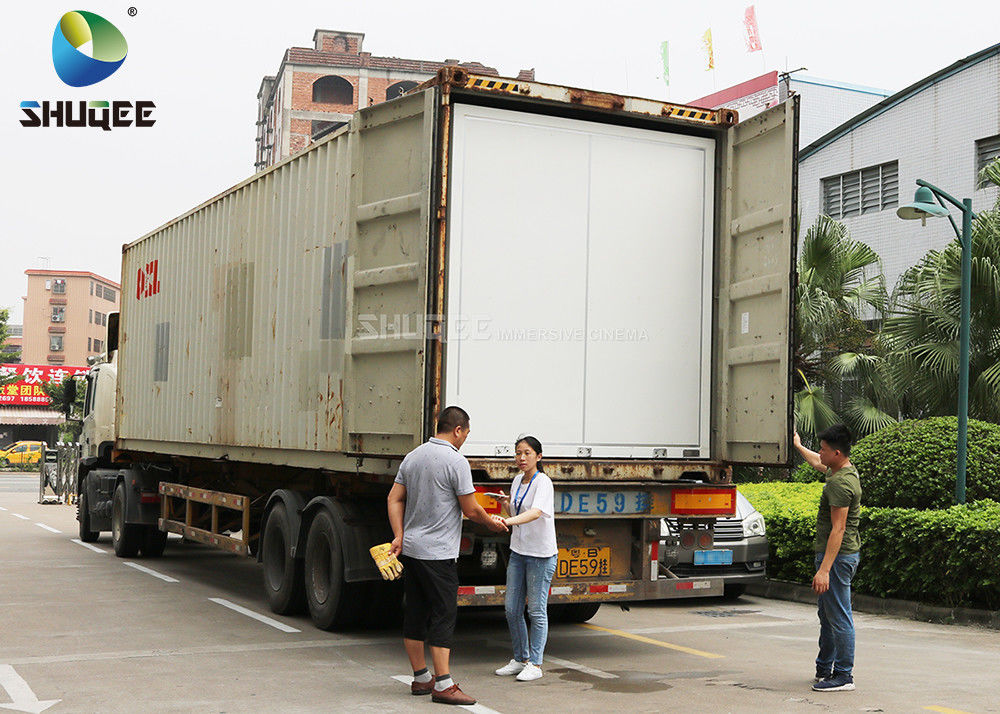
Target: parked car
[[21, 452], [743, 536]]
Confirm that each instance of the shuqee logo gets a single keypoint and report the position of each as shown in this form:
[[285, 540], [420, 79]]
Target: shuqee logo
[[77, 29], [77, 33]]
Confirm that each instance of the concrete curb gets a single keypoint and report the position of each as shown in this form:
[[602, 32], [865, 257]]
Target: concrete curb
[[781, 590]]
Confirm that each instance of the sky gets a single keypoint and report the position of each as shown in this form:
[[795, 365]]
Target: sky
[[71, 197]]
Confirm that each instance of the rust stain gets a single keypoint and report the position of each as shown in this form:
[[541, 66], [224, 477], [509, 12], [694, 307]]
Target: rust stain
[[600, 100]]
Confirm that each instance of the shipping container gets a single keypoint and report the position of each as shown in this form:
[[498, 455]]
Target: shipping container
[[613, 275]]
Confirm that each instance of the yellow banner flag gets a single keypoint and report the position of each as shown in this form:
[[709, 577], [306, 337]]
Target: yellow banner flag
[[706, 40]]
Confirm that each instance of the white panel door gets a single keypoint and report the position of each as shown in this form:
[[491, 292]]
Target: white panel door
[[516, 267], [578, 277], [648, 312]]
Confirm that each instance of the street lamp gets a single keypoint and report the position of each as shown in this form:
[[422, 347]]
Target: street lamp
[[923, 206]]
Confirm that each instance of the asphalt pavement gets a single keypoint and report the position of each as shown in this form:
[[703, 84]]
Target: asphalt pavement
[[190, 632]]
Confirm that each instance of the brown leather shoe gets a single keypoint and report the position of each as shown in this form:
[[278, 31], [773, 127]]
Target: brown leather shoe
[[418, 688], [452, 695]]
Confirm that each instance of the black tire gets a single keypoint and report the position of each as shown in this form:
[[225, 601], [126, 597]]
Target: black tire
[[126, 537], [333, 602], [83, 516], [282, 573], [733, 592], [4, 463], [153, 542], [573, 612]]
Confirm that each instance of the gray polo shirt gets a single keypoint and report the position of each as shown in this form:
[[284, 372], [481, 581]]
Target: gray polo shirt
[[434, 475]]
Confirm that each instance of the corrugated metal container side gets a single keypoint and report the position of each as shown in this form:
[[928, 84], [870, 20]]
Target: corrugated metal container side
[[233, 339]]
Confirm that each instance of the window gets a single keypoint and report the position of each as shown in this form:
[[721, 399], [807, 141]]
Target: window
[[90, 316], [100, 318], [109, 294], [869, 190], [89, 347], [58, 313], [91, 287], [987, 151], [333, 90], [55, 343], [59, 285], [98, 346], [398, 89]]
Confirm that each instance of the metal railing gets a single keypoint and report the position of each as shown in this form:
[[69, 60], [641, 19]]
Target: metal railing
[[57, 473]]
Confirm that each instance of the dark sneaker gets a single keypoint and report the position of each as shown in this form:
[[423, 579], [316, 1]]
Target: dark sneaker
[[419, 688], [452, 695], [836, 682], [821, 675]]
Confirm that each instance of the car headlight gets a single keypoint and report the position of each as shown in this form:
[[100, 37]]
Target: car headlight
[[753, 525]]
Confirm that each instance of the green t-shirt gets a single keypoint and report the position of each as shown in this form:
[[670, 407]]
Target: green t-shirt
[[842, 490]]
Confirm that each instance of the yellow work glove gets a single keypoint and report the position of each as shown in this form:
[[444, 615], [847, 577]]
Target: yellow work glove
[[387, 563]]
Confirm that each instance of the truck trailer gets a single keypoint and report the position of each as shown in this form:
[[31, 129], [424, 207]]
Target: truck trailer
[[613, 275]]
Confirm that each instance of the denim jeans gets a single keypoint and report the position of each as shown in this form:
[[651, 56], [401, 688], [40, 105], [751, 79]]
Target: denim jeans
[[836, 625], [528, 580]]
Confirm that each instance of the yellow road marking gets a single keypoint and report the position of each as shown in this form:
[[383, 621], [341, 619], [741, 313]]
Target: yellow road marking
[[651, 641], [946, 710]]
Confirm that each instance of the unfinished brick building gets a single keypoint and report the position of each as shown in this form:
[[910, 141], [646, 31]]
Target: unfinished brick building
[[319, 88]]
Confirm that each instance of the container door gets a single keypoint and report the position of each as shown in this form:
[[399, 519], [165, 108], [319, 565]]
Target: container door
[[755, 278], [385, 270]]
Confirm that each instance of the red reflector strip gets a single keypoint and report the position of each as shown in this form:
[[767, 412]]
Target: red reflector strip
[[684, 586], [694, 585], [477, 590], [612, 588], [598, 588], [149, 498], [654, 550]]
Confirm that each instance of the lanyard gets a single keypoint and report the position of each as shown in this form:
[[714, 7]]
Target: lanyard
[[517, 503]]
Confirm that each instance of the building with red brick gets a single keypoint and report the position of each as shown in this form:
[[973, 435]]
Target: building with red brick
[[317, 89]]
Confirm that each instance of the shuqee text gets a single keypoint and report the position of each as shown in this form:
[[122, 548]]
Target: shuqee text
[[103, 115]]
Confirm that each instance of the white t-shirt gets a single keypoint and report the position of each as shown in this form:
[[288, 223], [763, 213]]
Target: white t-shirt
[[538, 538]]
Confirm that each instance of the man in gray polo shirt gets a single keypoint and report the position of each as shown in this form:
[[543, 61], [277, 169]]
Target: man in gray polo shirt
[[432, 492]]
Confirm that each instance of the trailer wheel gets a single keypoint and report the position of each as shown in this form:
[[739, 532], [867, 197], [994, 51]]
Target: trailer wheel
[[733, 592], [83, 516], [282, 573], [126, 537], [154, 541], [573, 612], [333, 602]]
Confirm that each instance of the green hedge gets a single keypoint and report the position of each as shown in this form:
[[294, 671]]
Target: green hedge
[[911, 464], [944, 557]]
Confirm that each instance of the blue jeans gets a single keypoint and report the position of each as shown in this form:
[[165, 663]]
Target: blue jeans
[[528, 580], [836, 625]]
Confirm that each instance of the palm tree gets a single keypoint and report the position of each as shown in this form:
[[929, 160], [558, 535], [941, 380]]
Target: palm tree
[[922, 330], [837, 355]]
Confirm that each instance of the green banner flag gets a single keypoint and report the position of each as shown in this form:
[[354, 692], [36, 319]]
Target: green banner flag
[[665, 53]]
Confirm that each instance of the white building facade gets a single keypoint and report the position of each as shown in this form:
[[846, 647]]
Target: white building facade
[[943, 129]]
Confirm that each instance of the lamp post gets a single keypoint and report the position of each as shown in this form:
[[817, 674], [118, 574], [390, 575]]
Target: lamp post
[[923, 206]]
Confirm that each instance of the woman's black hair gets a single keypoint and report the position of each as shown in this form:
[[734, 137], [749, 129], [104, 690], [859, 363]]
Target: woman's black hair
[[531, 441]]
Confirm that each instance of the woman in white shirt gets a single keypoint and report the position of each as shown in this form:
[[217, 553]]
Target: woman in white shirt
[[532, 564]]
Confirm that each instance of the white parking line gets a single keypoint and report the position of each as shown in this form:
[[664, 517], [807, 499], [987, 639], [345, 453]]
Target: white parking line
[[88, 546], [50, 529], [256, 616], [2, 508], [150, 571], [477, 708], [580, 667], [18, 515]]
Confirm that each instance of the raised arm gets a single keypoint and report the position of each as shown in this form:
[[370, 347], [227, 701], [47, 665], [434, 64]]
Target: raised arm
[[811, 457]]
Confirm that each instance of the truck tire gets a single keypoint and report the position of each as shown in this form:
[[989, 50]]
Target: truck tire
[[83, 516], [573, 612], [333, 602], [282, 573], [126, 537], [733, 592], [153, 542]]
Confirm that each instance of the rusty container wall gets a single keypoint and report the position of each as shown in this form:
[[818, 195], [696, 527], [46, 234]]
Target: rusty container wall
[[234, 331]]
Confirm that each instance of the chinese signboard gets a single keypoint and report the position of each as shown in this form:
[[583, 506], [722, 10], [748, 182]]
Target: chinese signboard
[[28, 389]]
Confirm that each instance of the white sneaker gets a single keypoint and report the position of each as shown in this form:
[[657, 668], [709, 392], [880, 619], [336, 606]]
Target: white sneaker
[[529, 673], [512, 667]]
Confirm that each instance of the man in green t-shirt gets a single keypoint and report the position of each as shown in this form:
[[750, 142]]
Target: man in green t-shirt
[[837, 546]]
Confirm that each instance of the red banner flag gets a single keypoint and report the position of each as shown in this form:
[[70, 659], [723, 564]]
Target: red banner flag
[[752, 31], [28, 389]]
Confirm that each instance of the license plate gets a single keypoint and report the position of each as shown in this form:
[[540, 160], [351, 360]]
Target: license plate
[[584, 563], [713, 557], [600, 503]]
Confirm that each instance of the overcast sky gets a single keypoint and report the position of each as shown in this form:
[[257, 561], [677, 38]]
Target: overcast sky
[[72, 197]]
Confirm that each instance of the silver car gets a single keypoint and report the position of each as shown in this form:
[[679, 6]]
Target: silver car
[[743, 536]]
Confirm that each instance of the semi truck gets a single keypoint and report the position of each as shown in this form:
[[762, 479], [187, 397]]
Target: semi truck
[[613, 275]]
